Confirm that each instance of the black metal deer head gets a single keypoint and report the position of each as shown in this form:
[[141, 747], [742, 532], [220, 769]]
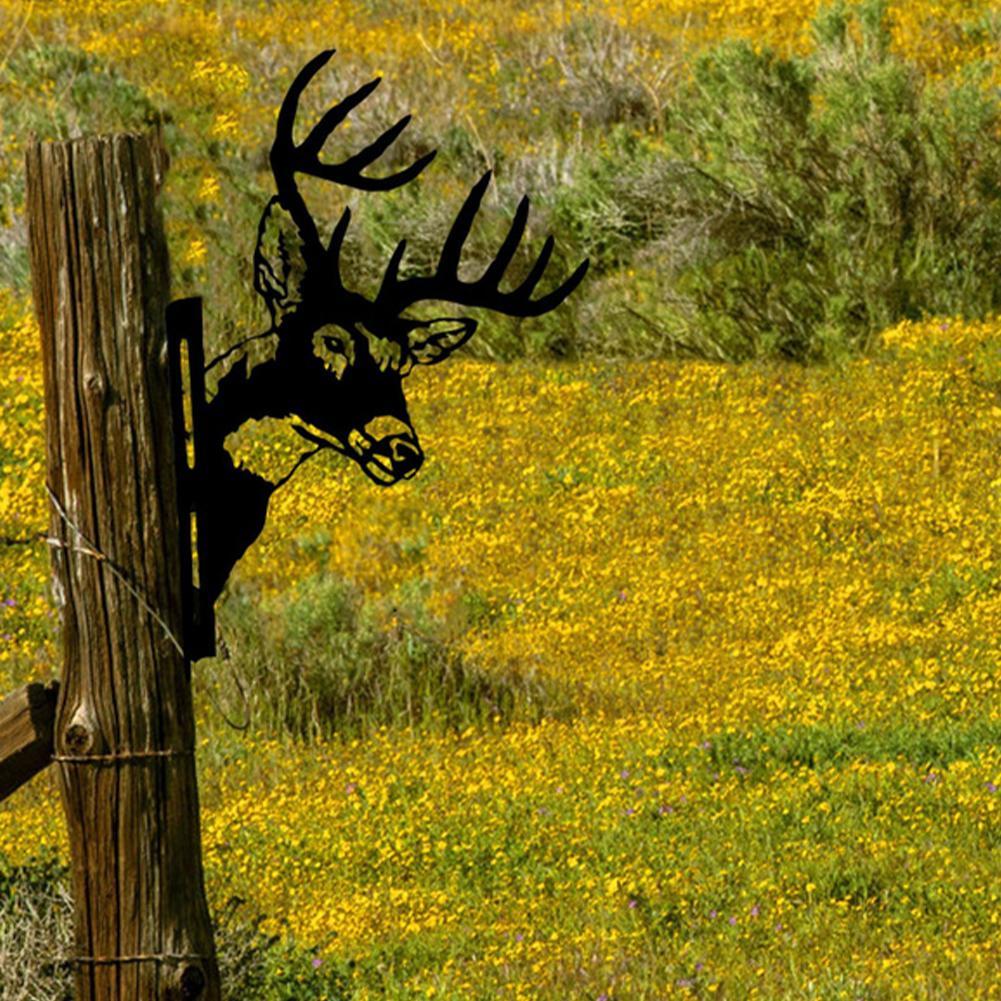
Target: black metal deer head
[[338, 359]]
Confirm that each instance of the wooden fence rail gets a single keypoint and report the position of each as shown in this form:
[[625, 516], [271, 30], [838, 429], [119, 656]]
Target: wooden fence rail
[[26, 720]]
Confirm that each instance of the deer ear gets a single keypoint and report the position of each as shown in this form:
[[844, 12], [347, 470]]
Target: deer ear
[[434, 340], [278, 262]]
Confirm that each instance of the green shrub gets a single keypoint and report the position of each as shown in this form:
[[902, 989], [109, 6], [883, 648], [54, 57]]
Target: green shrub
[[797, 206], [320, 661]]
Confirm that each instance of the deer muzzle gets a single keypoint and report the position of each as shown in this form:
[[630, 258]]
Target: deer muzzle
[[387, 450], [402, 453]]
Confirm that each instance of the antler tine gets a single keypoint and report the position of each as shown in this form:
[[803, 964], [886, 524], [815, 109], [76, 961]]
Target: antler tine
[[527, 287], [284, 159], [445, 284], [484, 291], [536, 307], [391, 274], [333, 117], [519, 301], [284, 141], [349, 172], [334, 247], [505, 254], [451, 251], [288, 158]]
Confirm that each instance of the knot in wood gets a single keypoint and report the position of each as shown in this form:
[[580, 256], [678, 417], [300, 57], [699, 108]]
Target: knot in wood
[[95, 383], [192, 981], [79, 738]]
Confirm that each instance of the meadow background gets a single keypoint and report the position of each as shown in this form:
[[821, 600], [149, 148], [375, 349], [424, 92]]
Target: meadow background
[[674, 671]]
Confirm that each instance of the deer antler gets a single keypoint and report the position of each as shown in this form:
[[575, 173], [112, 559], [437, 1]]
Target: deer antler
[[446, 285], [288, 158], [396, 294]]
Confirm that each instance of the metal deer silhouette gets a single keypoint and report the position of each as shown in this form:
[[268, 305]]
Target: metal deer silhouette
[[338, 358]]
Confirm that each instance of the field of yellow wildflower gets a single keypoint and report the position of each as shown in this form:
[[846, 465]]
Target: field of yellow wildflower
[[734, 630]]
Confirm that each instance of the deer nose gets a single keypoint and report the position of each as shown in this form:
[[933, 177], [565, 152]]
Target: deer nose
[[392, 446], [404, 453]]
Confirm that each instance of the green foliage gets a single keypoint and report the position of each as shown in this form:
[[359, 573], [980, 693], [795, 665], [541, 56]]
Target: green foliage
[[755, 755], [761, 205], [620, 199], [798, 206], [41, 875], [93, 99], [57, 92], [321, 660]]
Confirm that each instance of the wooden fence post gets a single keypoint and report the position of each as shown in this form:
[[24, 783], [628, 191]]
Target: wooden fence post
[[124, 731]]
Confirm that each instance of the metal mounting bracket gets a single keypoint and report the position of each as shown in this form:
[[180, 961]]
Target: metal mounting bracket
[[184, 328]]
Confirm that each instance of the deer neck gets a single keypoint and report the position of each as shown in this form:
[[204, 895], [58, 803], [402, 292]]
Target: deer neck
[[248, 393]]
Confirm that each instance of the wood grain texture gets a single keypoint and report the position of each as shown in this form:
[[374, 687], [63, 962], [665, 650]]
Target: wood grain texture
[[26, 720], [101, 286]]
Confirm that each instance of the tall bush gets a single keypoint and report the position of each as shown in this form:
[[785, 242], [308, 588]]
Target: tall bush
[[799, 205]]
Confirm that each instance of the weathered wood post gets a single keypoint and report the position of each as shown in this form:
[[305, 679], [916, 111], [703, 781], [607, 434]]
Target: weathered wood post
[[124, 728]]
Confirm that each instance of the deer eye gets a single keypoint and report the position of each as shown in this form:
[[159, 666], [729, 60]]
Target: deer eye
[[334, 348]]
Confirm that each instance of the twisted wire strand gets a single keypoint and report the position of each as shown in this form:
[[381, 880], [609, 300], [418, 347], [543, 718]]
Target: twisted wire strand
[[149, 957], [92, 549]]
